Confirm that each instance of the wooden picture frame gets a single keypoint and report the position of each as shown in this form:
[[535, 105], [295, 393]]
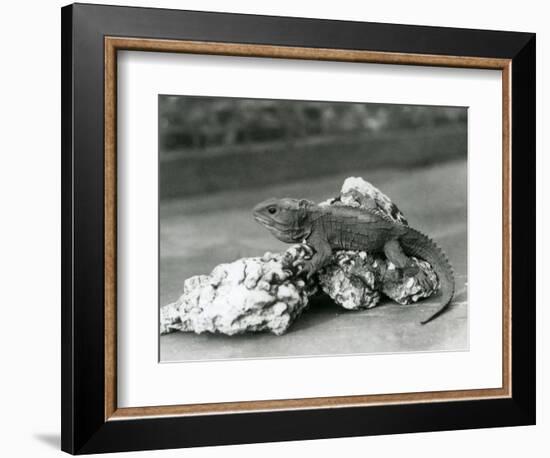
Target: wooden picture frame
[[91, 37]]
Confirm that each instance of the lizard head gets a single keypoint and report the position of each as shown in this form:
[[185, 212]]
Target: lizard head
[[287, 219]]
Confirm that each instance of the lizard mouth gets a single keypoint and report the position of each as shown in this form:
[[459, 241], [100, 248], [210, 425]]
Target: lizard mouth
[[263, 220]]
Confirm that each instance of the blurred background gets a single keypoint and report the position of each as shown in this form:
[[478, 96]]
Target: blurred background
[[215, 143], [218, 157]]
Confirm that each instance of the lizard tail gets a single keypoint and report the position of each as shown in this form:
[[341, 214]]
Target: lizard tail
[[416, 244]]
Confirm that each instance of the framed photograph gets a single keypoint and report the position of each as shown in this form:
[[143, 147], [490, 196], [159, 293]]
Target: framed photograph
[[282, 228]]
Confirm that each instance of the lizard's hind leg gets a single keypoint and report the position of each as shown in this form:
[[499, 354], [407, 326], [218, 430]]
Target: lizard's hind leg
[[395, 254]]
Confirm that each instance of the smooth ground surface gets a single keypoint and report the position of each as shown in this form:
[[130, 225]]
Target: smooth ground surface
[[199, 233]]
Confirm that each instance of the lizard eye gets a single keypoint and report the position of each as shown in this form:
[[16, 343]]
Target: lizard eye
[[272, 210]]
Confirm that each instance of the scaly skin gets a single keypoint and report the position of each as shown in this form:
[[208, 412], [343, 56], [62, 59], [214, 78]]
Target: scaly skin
[[328, 228]]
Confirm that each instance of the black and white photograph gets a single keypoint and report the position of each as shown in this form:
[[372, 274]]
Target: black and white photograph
[[302, 228]]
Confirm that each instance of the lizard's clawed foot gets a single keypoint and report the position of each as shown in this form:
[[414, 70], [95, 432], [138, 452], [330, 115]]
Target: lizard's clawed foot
[[413, 271], [305, 267], [423, 280]]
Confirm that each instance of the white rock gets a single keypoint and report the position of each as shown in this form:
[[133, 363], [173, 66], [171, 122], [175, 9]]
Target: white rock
[[351, 280], [250, 294]]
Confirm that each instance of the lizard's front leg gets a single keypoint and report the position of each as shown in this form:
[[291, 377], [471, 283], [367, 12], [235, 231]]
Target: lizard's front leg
[[322, 255]]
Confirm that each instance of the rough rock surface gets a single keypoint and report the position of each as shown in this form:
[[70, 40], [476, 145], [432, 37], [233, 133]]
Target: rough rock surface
[[250, 294], [355, 279]]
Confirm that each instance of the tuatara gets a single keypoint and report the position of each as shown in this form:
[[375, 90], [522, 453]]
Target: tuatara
[[328, 228]]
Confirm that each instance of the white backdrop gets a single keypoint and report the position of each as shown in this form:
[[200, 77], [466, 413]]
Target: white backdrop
[[30, 233]]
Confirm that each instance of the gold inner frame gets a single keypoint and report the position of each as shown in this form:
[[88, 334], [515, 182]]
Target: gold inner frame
[[112, 45]]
